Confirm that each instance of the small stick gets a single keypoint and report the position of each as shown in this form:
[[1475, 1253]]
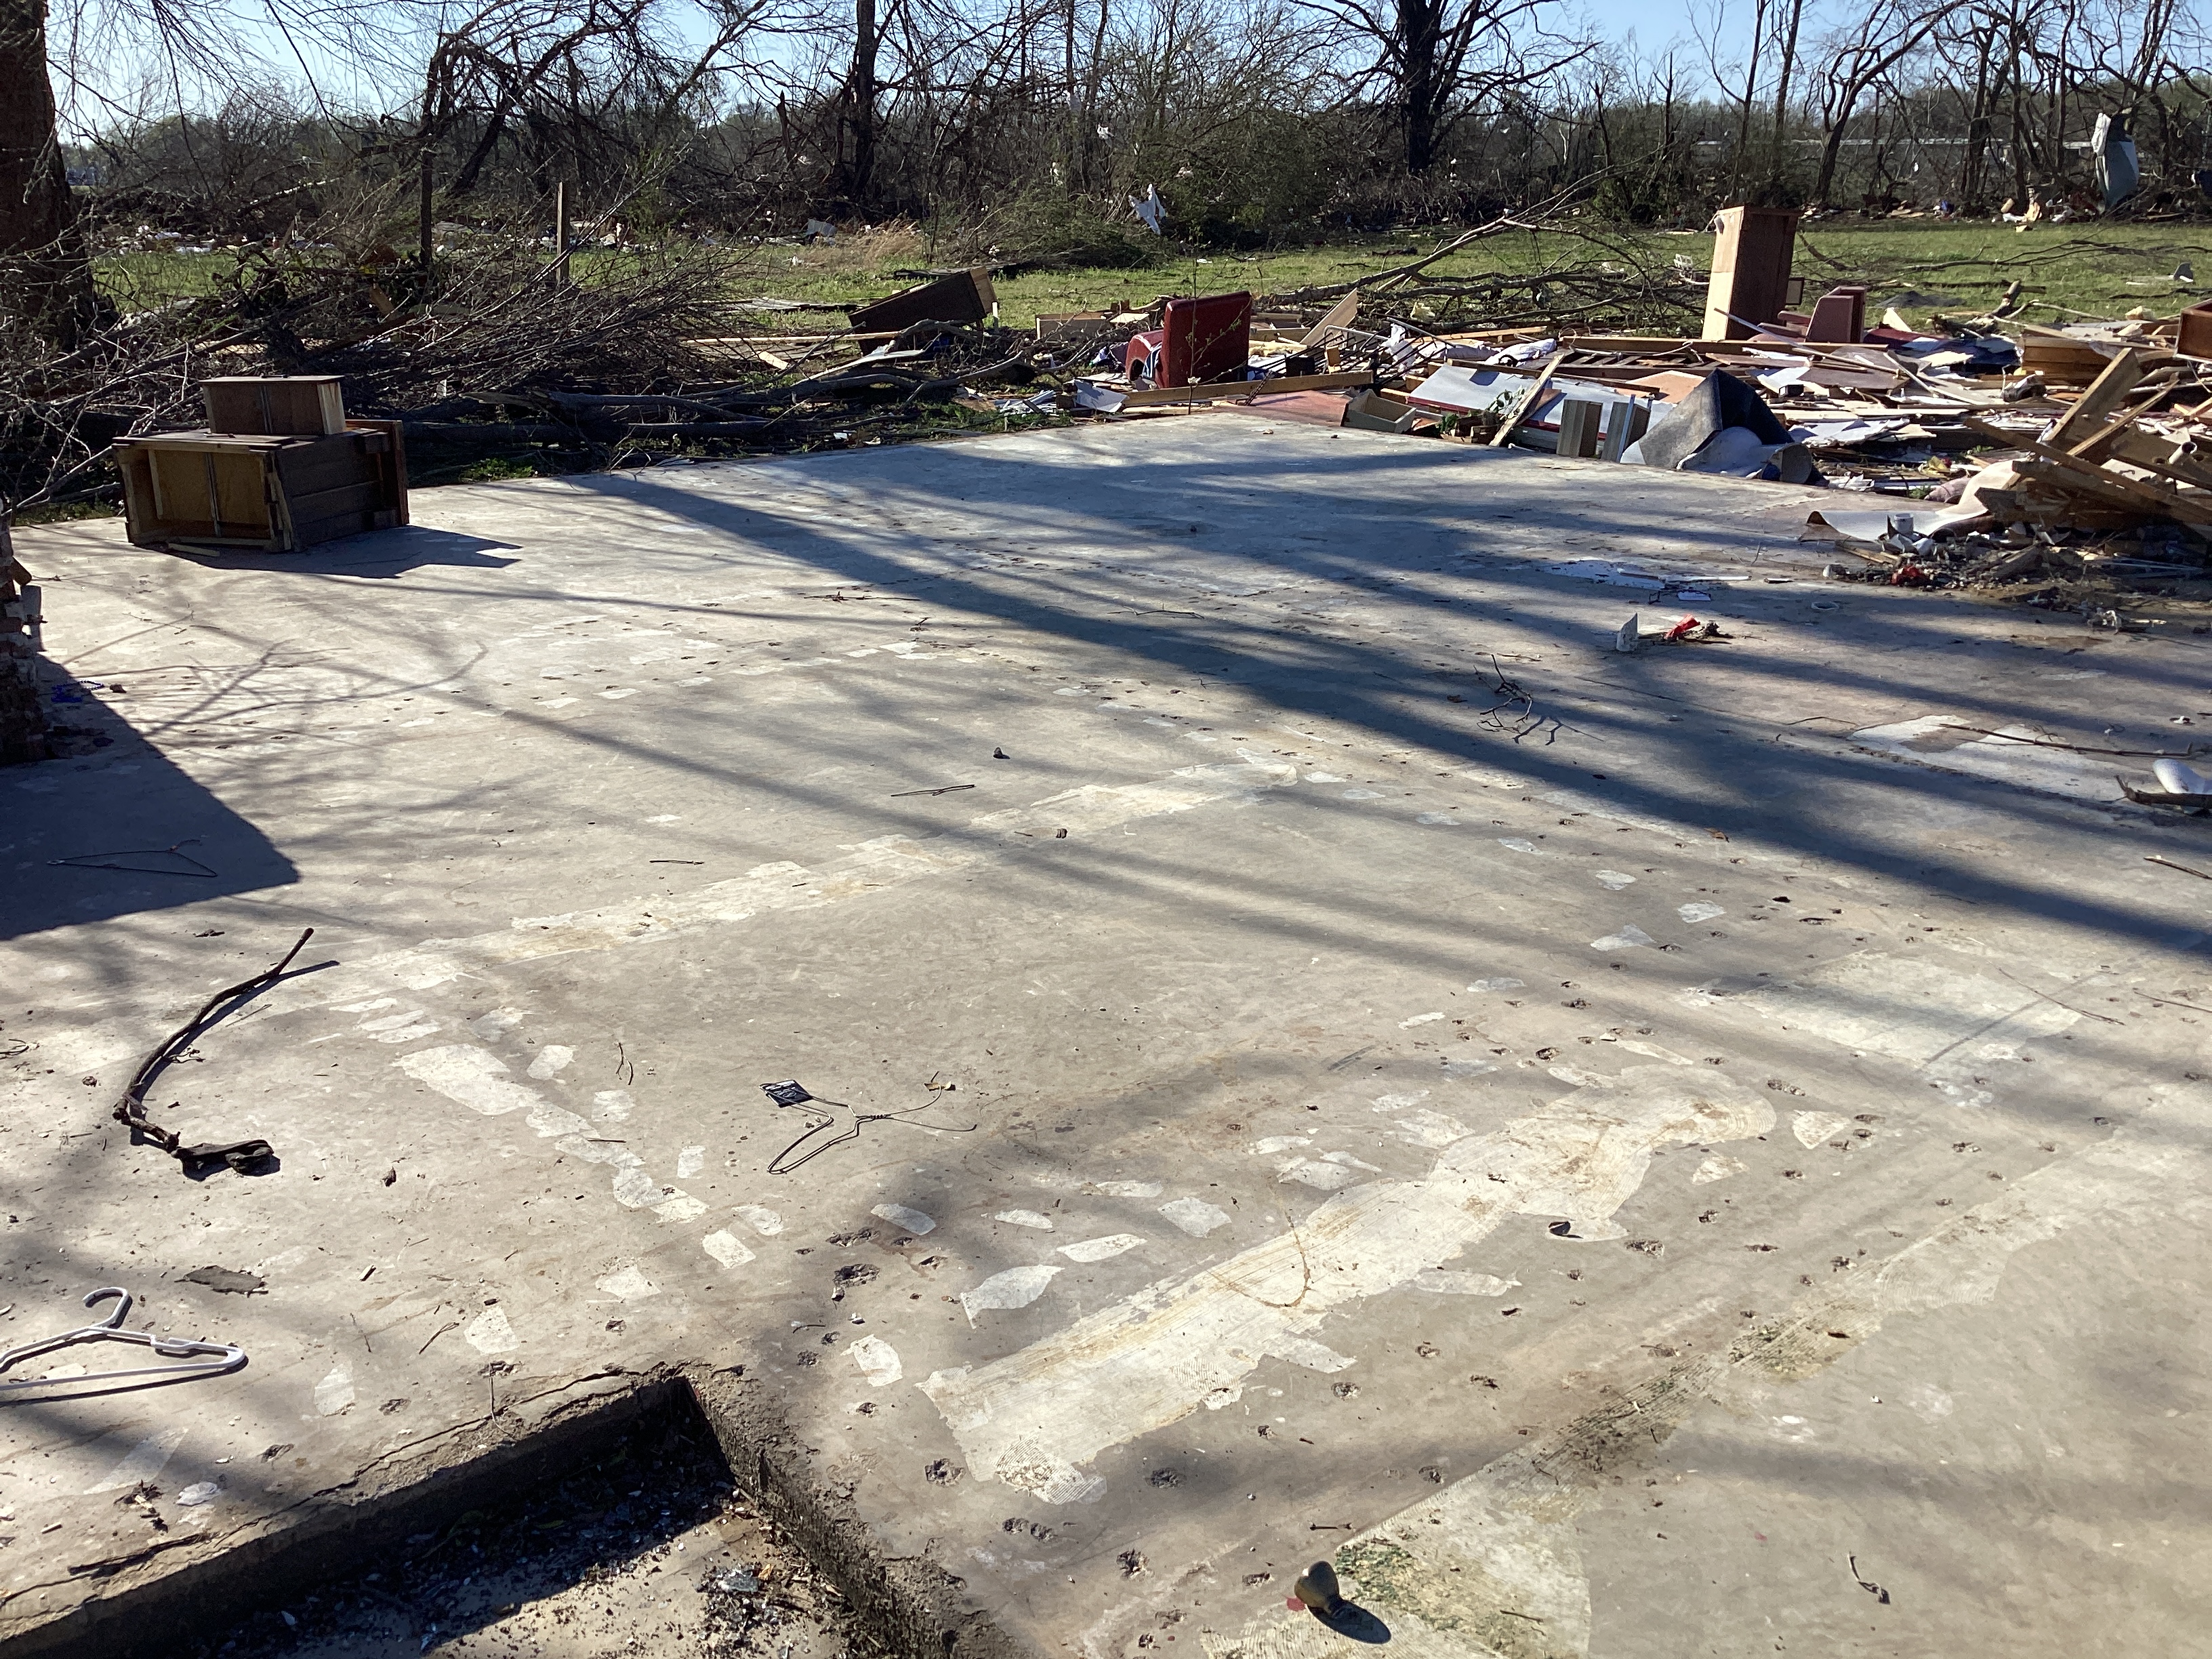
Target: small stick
[[2153, 857]]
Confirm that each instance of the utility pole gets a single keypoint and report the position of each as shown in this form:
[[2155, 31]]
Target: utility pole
[[423, 214], [560, 234]]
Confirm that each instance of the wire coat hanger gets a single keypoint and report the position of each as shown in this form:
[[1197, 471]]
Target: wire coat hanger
[[216, 1358]]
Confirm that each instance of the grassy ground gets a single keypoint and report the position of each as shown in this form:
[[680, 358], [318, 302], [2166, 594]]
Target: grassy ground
[[2069, 271]]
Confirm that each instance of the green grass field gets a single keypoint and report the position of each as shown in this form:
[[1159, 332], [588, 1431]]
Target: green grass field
[[2069, 272]]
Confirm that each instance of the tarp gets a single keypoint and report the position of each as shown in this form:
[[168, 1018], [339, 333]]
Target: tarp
[[1723, 426]]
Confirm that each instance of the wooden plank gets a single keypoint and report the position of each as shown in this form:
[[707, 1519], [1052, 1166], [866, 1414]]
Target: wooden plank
[[1528, 402], [1339, 317], [2104, 395], [2156, 454], [1342, 382], [964, 297], [2062, 472]]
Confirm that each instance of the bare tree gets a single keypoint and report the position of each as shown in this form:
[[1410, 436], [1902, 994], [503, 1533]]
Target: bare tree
[[1432, 60], [1865, 49]]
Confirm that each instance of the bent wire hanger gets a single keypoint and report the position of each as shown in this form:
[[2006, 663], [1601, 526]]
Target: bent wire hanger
[[214, 1357]]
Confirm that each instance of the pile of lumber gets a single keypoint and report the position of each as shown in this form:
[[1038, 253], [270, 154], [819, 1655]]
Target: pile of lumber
[[2124, 452]]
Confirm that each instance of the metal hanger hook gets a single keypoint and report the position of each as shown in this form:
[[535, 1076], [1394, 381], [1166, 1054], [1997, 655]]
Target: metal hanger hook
[[114, 1321]]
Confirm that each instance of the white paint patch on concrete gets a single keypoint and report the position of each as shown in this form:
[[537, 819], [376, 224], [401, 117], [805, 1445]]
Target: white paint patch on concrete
[[1626, 939], [628, 1284], [634, 1188], [335, 1392], [689, 1162], [490, 1332], [1362, 794], [1697, 911], [1906, 1007], [1312, 1172], [1151, 1358], [762, 1220], [490, 1027], [1323, 777], [552, 1059], [1811, 1129], [1717, 1167], [1444, 819], [1125, 1189], [1420, 1019], [550, 1120], [1268, 1145], [1024, 1218], [1508, 1536], [475, 1077], [727, 1248], [2017, 755], [899, 1216], [872, 868], [679, 1208], [1399, 1102], [878, 1361], [1195, 1215], [1519, 844], [1426, 1128], [142, 1462], [1016, 1287], [613, 1105], [1497, 985], [1616, 879], [1101, 1249], [1438, 1282]]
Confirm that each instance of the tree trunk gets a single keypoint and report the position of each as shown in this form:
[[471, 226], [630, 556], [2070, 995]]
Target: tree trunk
[[1777, 175], [45, 275], [1419, 24], [857, 119]]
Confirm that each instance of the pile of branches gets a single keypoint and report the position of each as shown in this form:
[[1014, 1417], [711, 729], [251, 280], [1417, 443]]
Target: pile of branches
[[496, 357], [1609, 285], [497, 314], [897, 382]]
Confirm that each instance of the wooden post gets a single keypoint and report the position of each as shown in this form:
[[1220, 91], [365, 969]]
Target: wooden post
[[424, 218], [560, 234]]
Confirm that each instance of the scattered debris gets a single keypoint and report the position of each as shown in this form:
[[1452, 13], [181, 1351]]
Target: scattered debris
[[227, 1279], [793, 1093], [106, 861], [240, 1155], [1863, 1582], [1315, 1589]]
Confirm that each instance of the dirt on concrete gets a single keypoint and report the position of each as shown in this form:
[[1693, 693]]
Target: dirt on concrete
[[648, 1550]]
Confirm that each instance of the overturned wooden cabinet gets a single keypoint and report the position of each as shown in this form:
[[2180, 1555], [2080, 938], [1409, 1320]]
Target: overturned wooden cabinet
[[267, 492]]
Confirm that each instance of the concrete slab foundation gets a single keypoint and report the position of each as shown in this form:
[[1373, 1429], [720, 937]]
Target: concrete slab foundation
[[1325, 1056]]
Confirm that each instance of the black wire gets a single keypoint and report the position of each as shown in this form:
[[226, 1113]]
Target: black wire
[[777, 1166], [131, 1109]]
